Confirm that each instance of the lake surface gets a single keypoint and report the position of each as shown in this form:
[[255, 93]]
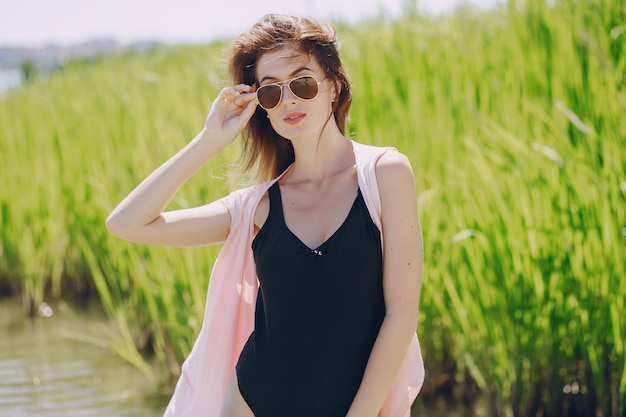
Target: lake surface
[[46, 372], [9, 78]]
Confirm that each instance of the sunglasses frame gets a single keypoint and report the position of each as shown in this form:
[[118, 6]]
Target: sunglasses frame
[[287, 83]]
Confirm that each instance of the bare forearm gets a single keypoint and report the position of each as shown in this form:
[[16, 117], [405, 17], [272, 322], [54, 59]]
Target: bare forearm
[[148, 200], [136, 217], [383, 366]]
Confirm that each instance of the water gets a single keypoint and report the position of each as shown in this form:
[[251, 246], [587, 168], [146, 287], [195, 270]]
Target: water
[[9, 78], [46, 372]]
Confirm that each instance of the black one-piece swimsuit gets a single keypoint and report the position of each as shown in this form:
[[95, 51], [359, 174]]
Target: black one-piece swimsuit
[[318, 313]]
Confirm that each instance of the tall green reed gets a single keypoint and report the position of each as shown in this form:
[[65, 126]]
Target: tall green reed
[[514, 121], [75, 142], [520, 175]]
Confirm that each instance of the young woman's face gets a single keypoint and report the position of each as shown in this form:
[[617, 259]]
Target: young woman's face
[[294, 114]]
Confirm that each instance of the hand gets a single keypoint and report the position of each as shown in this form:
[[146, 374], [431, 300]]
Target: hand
[[231, 111]]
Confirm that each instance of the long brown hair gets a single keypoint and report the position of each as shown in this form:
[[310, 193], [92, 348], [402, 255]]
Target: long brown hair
[[262, 148]]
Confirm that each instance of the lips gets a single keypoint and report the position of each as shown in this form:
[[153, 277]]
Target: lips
[[294, 118]]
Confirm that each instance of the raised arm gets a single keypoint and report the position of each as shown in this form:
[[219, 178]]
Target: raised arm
[[140, 216]]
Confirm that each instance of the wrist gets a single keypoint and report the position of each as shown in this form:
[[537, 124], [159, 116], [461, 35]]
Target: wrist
[[213, 139]]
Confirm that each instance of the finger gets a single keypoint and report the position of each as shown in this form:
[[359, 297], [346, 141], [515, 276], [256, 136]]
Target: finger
[[229, 94], [235, 91], [248, 112], [244, 88], [243, 99]]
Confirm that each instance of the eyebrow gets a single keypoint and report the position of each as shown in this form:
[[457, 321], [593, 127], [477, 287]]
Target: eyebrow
[[268, 77]]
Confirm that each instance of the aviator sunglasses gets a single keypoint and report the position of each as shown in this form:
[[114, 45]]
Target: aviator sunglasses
[[305, 87]]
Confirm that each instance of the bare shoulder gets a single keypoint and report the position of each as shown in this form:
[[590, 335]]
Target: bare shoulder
[[394, 170]]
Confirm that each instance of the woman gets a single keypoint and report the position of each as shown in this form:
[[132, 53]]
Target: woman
[[308, 313]]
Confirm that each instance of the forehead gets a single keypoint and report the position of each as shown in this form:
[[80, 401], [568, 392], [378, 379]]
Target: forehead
[[281, 63]]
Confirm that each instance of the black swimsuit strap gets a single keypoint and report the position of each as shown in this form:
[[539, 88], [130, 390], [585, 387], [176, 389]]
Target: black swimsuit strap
[[276, 203]]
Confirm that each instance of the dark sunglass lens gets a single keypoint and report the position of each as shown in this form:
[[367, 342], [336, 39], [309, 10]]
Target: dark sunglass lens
[[269, 96], [304, 87]]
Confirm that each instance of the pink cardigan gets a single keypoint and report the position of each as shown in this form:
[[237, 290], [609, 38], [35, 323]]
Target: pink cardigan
[[229, 314]]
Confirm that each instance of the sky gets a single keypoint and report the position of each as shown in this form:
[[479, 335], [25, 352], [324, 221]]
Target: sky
[[35, 23]]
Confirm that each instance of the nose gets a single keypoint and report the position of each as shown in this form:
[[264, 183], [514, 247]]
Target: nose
[[288, 96]]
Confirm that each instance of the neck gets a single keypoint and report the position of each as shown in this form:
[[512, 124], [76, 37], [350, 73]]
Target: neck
[[317, 158]]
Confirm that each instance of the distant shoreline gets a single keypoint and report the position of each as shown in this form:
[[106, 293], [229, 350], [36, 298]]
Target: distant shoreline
[[12, 59]]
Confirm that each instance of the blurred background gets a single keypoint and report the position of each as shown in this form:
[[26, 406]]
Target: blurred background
[[513, 114], [49, 34]]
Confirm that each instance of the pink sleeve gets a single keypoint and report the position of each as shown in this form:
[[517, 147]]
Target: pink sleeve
[[228, 319]]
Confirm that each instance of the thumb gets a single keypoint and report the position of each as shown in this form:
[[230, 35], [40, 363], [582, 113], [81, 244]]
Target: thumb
[[248, 112]]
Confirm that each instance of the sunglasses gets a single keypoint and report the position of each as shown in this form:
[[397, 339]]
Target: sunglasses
[[305, 87]]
